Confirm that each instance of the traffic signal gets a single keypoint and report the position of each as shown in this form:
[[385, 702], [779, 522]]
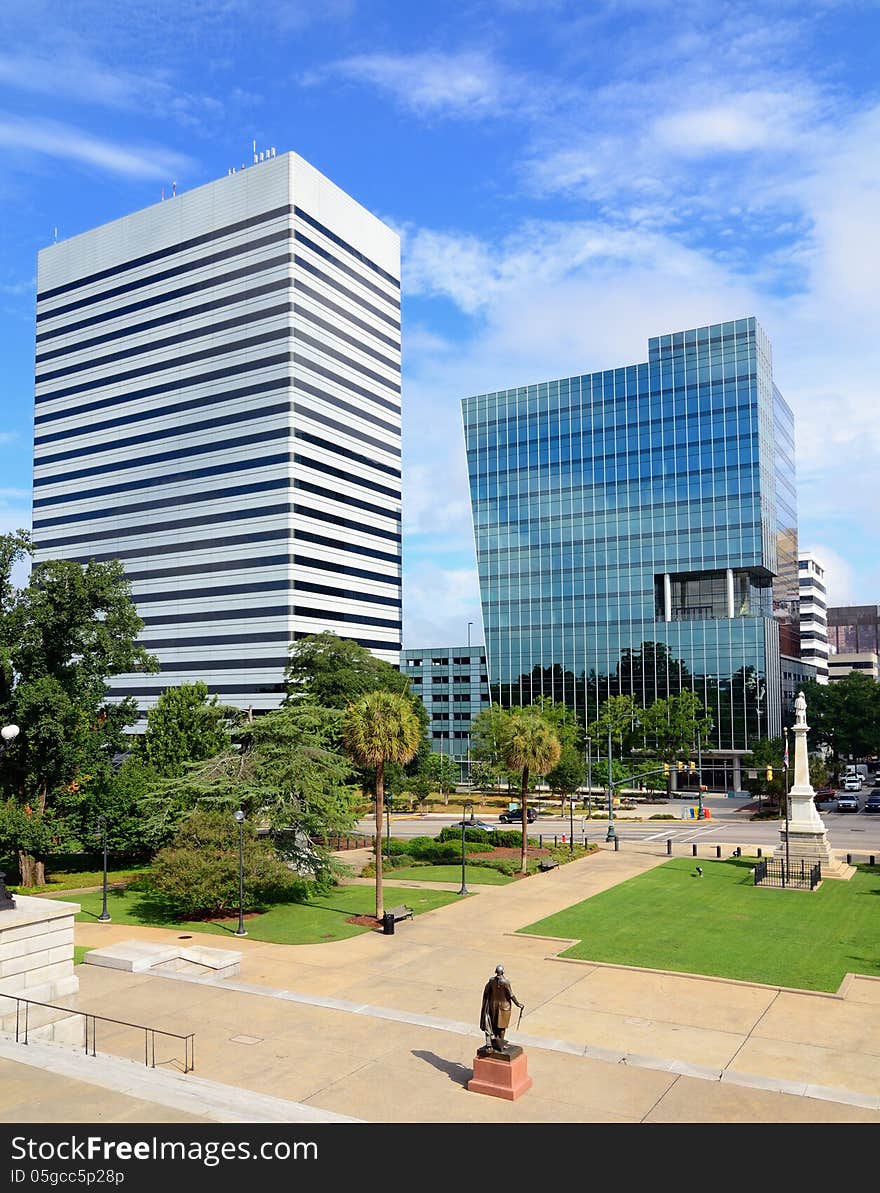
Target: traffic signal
[[692, 765], [680, 765], [666, 768], [769, 773]]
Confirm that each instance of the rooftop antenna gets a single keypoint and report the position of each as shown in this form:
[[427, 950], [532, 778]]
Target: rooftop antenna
[[173, 189], [162, 200], [256, 159], [56, 234]]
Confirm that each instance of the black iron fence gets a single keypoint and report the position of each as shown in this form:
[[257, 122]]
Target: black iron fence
[[775, 872], [90, 1030]]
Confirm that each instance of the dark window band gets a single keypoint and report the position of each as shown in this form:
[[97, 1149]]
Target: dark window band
[[182, 246], [201, 665], [351, 477], [197, 569], [342, 569], [215, 640], [185, 500], [346, 523], [300, 238], [212, 399], [153, 481], [168, 386], [348, 594], [217, 590], [150, 619], [343, 244], [152, 279], [347, 499], [152, 529], [316, 321], [306, 536], [324, 421], [370, 643], [242, 689], [151, 550], [359, 411], [183, 337], [335, 615], [268, 337], [317, 296], [175, 432], [183, 453], [174, 317], [155, 300], [343, 451], [302, 337], [302, 263], [314, 367]]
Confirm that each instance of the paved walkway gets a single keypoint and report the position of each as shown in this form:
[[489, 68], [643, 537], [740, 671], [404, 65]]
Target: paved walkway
[[383, 1028]]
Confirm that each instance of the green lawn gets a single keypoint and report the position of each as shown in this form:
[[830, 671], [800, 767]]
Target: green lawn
[[721, 924], [79, 951], [322, 918], [451, 874]]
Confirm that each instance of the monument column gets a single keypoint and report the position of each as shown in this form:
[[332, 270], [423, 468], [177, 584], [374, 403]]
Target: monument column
[[806, 839]]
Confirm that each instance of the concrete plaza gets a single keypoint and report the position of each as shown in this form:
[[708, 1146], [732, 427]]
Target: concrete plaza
[[384, 1029]]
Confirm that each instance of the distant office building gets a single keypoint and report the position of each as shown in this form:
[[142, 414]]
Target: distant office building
[[813, 613], [453, 684], [854, 629], [218, 407], [864, 662], [636, 533]]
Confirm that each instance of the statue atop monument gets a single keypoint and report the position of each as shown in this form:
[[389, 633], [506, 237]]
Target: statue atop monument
[[495, 1010], [800, 710]]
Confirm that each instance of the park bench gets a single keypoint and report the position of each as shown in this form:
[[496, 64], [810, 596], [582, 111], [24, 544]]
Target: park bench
[[547, 863]]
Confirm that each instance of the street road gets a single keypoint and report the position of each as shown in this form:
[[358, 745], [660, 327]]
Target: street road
[[855, 833]]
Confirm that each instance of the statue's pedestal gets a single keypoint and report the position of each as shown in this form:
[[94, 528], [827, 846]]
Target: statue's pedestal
[[36, 964], [806, 838], [500, 1074]]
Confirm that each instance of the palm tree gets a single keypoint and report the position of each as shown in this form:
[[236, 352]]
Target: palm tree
[[381, 727], [531, 746]]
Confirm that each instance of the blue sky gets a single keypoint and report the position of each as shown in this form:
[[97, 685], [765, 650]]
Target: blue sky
[[567, 178]]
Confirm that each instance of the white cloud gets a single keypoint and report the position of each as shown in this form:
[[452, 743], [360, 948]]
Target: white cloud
[[438, 604], [51, 138]]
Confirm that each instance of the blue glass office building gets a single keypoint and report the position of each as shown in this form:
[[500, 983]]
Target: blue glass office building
[[636, 533]]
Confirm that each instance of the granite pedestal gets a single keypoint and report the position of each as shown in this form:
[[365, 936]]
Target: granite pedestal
[[500, 1074]]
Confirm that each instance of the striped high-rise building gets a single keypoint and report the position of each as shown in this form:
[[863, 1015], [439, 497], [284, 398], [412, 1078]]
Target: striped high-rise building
[[218, 407]]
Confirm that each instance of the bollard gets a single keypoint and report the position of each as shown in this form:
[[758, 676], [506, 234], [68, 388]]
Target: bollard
[[759, 852], [718, 851], [540, 840], [554, 840], [849, 859], [669, 846], [616, 844], [871, 859], [694, 850]]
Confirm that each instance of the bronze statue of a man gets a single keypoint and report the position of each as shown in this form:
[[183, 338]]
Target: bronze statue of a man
[[496, 1008]]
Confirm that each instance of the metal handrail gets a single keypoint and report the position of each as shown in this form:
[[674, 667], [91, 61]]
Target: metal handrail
[[150, 1033]]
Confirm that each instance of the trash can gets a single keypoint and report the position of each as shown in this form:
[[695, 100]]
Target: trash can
[[388, 923]]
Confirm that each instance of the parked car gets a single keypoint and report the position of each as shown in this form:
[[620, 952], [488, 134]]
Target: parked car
[[852, 783], [484, 825], [514, 816], [823, 794], [872, 803], [847, 803]]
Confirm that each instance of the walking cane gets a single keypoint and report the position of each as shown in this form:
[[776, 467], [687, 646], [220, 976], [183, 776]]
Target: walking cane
[[519, 1021]]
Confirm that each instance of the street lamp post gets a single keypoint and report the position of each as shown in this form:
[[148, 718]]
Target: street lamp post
[[699, 776], [589, 775], [102, 830], [787, 806], [467, 804], [611, 835], [238, 817]]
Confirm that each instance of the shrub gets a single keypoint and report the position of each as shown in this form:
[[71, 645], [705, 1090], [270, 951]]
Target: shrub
[[197, 874], [663, 816]]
